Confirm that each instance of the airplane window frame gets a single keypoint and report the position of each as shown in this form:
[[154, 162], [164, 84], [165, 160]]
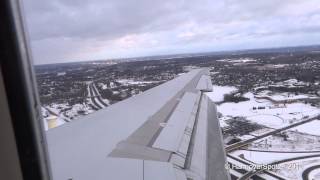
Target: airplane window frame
[[22, 95]]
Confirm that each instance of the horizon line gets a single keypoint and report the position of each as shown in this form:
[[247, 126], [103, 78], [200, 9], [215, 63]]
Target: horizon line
[[190, 54]]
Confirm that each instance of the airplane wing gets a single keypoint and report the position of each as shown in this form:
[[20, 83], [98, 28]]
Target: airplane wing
[[170, 132]]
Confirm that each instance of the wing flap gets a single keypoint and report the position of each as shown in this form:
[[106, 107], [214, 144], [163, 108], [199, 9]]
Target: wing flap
[[171, 136], [129, 150]]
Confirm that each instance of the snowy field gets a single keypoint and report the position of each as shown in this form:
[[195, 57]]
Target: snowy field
[[219, 91], [309, 128], [270, 114], [292, 169], [290, 141], [241, 60], [296, 173], [133, 82], [62, 115], [266, 157], [284, 96], [47, 116], [300, 141], [315, 174]]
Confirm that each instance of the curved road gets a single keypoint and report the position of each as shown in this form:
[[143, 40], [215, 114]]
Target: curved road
[[242, 171], [306, 172], [254, 172]]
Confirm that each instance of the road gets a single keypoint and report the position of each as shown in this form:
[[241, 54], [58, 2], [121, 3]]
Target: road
[[306, 172], [254, 172], [94, 95], [246, 142], [98, 95], [243, 171]]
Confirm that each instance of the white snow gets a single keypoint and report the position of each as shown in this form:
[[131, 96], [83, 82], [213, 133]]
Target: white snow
[[46, 116], [315, 174], [300, 165], [73, 112], [61, 73], [284, 96], [272, 115], [115, 92], [244, 108], [241, 60], [260, 132], [309, 128], [104, 86], [299, 141], [267, 120], [60, 121], [133, 82], [246, 137], [222, 121], [112, 85], [217, 95], [294, 142], [266, 157]]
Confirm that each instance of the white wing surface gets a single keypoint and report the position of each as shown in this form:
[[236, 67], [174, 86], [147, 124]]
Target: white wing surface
[[170, 132]]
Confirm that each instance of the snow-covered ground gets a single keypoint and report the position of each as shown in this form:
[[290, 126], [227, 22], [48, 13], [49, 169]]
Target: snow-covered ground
[[260, 132], [292, 169], [285, 96], [47, 116], [290, 141], [218, 92], [223, 120], [312, 127], [246, 137], [64, 112], [266, 157], [299, 141], [268, 120], [301, 165], [315, 174], [269, 114], [241, 60], [133, 82]]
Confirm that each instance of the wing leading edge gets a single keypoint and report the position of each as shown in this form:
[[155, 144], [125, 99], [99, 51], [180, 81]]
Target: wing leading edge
[[169, 132]]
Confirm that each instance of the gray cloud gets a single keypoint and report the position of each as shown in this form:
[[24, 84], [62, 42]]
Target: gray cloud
[[68, 30], [92, 19]]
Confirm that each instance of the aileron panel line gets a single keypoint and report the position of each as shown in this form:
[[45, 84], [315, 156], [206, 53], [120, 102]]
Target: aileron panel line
[[171, 136]]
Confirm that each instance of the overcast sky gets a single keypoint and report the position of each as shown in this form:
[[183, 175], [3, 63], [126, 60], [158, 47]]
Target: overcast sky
[[75, 30]]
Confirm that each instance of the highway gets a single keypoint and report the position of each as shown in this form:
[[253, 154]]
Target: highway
[[98, 95], [246, 142], [94, 95]]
